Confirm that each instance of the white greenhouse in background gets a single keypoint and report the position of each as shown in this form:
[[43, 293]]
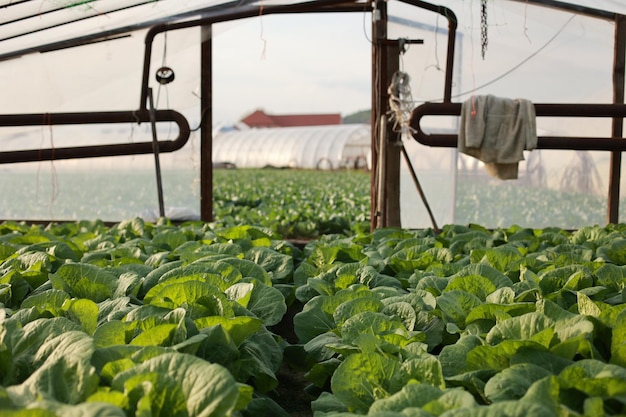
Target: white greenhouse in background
[[305, 147]]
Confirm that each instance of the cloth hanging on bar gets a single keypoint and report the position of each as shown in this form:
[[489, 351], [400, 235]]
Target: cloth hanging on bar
[[496, 131]]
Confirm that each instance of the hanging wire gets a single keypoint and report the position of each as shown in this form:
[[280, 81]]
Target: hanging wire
[[166, 68], [509, 71], [525, 60], [54, 192], [437, 64], [261, 34], [526, 22], [367, 37], [163, 65]]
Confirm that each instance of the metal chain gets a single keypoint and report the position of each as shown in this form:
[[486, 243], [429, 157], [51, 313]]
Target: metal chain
[[483, 28]]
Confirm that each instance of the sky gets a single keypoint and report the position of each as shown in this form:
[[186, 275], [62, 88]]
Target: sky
[[323, 65], [283, 64]]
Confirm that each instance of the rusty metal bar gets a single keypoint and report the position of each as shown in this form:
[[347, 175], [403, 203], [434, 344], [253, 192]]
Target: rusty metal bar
[[542, 110], [619, 65], [206, 120], [376, 119], [44, 119], [385, 62]]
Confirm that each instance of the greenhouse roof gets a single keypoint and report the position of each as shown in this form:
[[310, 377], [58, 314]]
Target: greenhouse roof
[[30, 26], [42, 25]]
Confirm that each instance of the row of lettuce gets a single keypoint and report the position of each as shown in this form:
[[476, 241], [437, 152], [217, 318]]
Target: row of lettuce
[[140, 319], [294, 203], [470, 322], [144, 319]]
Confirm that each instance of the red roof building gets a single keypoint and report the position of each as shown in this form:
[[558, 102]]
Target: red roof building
[[261, 119]]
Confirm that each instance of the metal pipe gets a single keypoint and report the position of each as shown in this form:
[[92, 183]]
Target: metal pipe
[[206, 120], [542, 110], [376, 117], [619, 64], [44, 119]]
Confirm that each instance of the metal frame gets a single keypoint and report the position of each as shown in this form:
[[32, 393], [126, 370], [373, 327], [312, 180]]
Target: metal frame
[[542, 110], [136, 148], [384, 63]]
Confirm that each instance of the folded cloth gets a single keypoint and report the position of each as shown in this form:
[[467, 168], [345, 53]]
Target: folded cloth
[[496, 131]]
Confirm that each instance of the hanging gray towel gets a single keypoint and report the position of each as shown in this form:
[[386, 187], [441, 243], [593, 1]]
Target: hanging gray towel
[[496, 131]]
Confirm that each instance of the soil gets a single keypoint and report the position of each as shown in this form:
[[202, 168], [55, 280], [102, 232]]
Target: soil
[[290, 393]]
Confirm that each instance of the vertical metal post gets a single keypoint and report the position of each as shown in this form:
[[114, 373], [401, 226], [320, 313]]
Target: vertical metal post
[[619, 66], [385, 62], [206, 120], [394, 144], [378, 26], [155, 150]]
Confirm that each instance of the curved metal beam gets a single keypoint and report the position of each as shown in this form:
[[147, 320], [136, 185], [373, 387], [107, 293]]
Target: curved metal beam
[[119, 149]]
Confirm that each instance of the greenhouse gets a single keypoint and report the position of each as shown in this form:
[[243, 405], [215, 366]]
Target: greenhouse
[[314, 147], [96, 110], [462, 253]]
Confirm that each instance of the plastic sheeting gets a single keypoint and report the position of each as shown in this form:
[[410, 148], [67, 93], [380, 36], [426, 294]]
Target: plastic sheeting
[[41, 25], [538, 53], [316, 147]]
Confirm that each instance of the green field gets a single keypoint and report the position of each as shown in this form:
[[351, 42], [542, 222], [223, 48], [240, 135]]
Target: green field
[[197, 320], [500, 203], [476, 321], [293, 203]]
